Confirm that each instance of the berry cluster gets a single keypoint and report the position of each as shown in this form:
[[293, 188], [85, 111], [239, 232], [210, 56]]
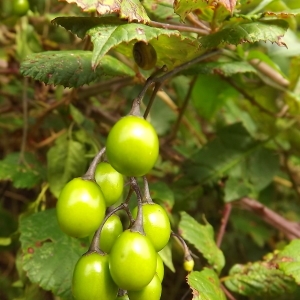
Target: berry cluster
[[124, 263]]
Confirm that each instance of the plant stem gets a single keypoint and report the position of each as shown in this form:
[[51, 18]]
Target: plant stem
[[182, 109], [224, 222], [179, 27], [138, 224], [90, 173], [94, 246], [290, 229], [147, 198]]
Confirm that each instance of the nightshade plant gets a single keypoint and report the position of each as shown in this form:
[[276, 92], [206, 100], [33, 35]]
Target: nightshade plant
[[193, 106]]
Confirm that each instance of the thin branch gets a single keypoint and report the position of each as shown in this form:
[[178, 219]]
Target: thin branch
[[179, 27], [227, 293], [183, 108], [194, 20], [290, 229], [224, 222]]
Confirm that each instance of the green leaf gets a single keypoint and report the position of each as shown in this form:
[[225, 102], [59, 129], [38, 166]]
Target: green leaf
[[210, 93], [24, 173], [259, 279], [71, 68], [205, 285], [66, 160], [5, 241], [160, 192], [247, 32], [289, 260], [226, 69], [184, 7], [166, 256], [44, 248], [202, 237], [160, 10], [231, 145], [110, 33], [132, 10]]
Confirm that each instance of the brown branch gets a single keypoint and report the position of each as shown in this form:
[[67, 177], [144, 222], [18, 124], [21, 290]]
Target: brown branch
[[224, 222], [179, 27], [290, 229], [227, 293]]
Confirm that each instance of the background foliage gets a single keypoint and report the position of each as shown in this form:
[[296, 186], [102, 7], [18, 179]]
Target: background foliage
[[229, 166]]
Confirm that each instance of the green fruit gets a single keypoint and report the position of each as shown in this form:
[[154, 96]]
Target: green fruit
[[92, 279], [156, 224], [132, 146], [20, 7], [150, 292], [111, 230], [132, 261], [188, 265], [110, 181], [80, 208]]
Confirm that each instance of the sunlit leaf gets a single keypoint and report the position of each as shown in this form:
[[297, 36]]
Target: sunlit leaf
[[202, 237], [205, 285], [132, 10], [247, 32]]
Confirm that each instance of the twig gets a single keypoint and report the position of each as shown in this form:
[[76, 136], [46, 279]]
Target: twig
[[224, 222], [227, 293], [49, 139], [182, 109], [194, 20], [290, 229], [179, 27]]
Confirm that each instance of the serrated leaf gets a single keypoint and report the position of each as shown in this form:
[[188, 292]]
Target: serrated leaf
[[247, 32], [66, 160], [111, 33], [24, 173], [132, 10], [289, 260], [231, 145], [205, 285], [44, 248], [71, 68], [259, 279], [202, 237], [161, 10]]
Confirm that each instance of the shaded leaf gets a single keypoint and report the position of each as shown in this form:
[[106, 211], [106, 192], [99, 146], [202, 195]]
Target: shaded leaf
[[232, 144], [66, 160], [228, 4], [160, 192], [166, 256], [24, 173], [44, 248], [71, 68], [202, 237], [132, 10], [205, 285], [247, 32], [160, 10], [226, 69]]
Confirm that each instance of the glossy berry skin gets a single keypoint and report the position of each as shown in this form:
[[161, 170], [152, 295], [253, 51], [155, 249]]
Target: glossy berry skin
[[156, 224], [132, 146], [111, 230], [188, 265], [132, 261], [20, 7], [160, 269], [110, 181], [80, 208], [92, 280], [150, 292]]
